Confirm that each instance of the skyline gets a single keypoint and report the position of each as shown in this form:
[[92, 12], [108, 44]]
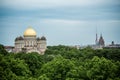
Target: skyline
[[61, 21]]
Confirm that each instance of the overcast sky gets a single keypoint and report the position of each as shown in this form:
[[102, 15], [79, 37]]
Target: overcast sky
[[67, 22]]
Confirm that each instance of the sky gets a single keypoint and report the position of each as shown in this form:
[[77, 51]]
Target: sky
[[65, 22]]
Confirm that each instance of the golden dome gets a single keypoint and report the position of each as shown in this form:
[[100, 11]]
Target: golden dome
[[29, 32]]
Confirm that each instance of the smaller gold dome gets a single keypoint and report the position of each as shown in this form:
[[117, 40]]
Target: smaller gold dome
[[29, 32]]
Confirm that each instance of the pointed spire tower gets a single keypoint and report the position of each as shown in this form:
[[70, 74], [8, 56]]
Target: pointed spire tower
[[96, 40]]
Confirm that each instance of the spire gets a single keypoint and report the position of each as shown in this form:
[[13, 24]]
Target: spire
[[101, 35], [96, 41]]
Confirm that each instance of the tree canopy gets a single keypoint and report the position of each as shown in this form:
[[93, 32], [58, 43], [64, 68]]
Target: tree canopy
[[61, 63]]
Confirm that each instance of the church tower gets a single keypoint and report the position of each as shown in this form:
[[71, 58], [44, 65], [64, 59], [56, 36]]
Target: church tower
[[101, 41], [96, 40]]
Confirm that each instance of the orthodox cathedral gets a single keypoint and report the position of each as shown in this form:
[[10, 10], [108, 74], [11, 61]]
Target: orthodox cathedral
[[29, 42]]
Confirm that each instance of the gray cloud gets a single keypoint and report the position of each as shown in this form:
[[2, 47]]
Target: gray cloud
[[62, 21], [38, 4]]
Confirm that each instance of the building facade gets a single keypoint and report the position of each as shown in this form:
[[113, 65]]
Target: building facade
[[29, 42]]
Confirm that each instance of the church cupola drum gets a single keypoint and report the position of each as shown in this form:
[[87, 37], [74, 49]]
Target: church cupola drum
[[29, 42]]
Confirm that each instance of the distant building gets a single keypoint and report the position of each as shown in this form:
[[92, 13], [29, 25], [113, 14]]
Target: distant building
[[101, 41], [9, 48], [99, 44], [113, 45], [29, 42]]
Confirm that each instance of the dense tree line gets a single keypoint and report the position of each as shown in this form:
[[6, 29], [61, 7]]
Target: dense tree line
[[61, 63]]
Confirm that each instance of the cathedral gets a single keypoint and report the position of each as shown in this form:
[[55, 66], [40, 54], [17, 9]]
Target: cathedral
[[29, 42], [100, 42]]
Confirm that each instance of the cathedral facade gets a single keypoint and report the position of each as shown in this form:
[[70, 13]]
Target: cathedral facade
[[100, 42], [29, 42]]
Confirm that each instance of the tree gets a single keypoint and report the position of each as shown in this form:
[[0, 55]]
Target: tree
[[101, 69], [57, 68], [33, 60], [2, 50], [43, 77], [12, 69]]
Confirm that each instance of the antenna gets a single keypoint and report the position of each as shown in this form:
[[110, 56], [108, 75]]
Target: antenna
[[96, 29]]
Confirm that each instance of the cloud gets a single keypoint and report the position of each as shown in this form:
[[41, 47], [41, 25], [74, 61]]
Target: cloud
[[32, 4], [62, 9], [60, 31], [61, 21], [65, 21]]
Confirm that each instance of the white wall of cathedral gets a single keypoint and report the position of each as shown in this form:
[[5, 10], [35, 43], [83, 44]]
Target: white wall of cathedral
[[42, 45], [19, 44], [30, 43]]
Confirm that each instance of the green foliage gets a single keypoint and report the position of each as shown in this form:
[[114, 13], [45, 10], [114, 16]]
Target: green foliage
[[2, 50], [43, 77], [112, 54], [33, 60], [101, 69], [61, 63], [57, 68], [12, 69]]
